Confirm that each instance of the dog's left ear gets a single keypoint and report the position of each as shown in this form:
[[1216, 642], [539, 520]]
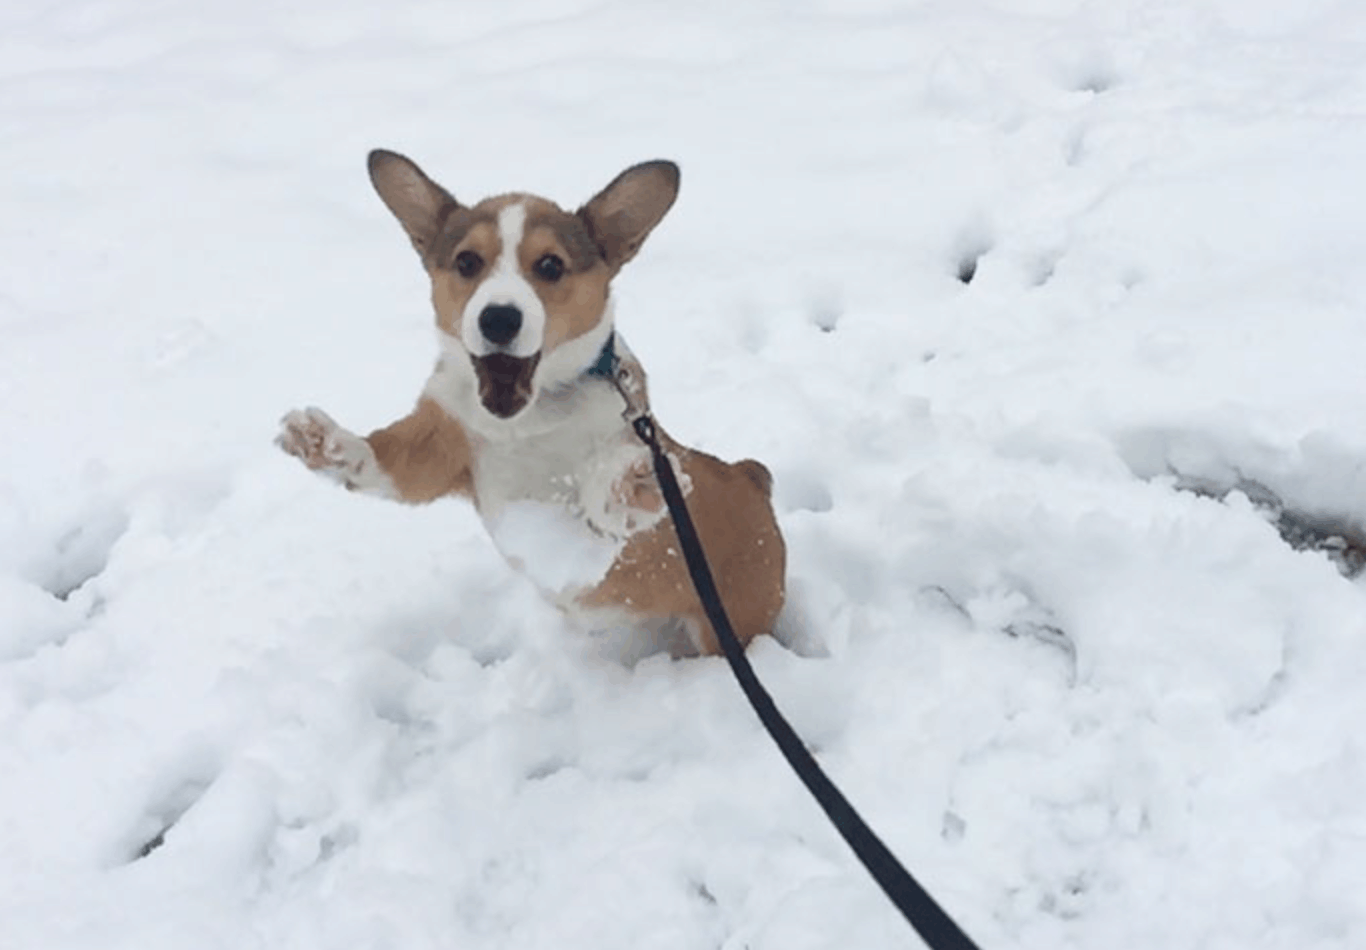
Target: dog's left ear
[[623, 214]]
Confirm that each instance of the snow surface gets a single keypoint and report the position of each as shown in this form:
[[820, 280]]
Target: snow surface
[[1045, 630]]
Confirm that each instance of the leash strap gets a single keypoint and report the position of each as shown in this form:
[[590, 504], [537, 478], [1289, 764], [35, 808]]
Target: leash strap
[[929, 920]]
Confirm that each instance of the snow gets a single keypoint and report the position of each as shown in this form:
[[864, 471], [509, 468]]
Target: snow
[[1046, 629], [554, 549]]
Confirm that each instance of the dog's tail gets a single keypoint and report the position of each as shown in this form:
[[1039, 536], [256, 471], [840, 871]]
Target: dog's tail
[[757, 473]]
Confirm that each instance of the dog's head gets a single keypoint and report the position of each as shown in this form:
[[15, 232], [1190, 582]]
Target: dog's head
[[520, 285]]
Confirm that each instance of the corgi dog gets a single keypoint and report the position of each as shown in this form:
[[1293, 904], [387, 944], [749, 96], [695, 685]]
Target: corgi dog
[[522, 415]]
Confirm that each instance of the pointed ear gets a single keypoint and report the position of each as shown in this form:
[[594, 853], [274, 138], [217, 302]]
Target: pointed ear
[[420, 204], [622, 215]]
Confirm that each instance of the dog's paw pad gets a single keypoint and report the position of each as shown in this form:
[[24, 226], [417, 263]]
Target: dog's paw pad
[[313, 437]]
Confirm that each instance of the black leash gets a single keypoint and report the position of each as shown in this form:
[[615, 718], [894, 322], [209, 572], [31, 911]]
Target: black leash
[[929, 920]]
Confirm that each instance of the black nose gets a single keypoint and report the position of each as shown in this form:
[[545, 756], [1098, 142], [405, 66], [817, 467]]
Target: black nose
[[499, 323]]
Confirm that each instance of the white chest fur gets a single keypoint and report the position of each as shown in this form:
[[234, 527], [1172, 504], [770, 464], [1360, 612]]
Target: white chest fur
[[548, 485], [551, 500]]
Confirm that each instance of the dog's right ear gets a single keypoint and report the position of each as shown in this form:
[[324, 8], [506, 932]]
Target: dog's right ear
[[420, 204], [621, 216]]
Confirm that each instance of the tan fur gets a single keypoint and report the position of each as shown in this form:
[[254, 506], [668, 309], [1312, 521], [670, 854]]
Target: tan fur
[[758, 473], [744, 547], [426, 453]]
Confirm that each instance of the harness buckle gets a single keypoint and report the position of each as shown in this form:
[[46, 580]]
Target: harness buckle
[[631, 386]]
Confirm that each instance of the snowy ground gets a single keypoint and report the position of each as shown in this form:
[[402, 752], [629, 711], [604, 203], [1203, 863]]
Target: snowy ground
[[1047, 630]]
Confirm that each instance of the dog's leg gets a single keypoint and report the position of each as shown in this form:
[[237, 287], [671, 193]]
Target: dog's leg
[[418, 458]]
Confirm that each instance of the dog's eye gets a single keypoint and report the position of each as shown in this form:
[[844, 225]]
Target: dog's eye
[[468, 263], [549, 268]]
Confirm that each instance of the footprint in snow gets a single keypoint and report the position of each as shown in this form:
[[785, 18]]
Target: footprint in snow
[[973, 243], [80, 553], [1314, 496], [165, 813]]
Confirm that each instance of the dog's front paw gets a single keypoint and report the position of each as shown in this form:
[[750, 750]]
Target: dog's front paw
[[314, 438], [636, 492]]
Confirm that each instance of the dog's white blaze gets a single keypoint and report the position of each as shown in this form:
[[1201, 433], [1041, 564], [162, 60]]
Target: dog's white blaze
[[506, 285]]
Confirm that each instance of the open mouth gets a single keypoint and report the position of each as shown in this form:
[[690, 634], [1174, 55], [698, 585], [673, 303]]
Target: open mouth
[[505, 382]]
